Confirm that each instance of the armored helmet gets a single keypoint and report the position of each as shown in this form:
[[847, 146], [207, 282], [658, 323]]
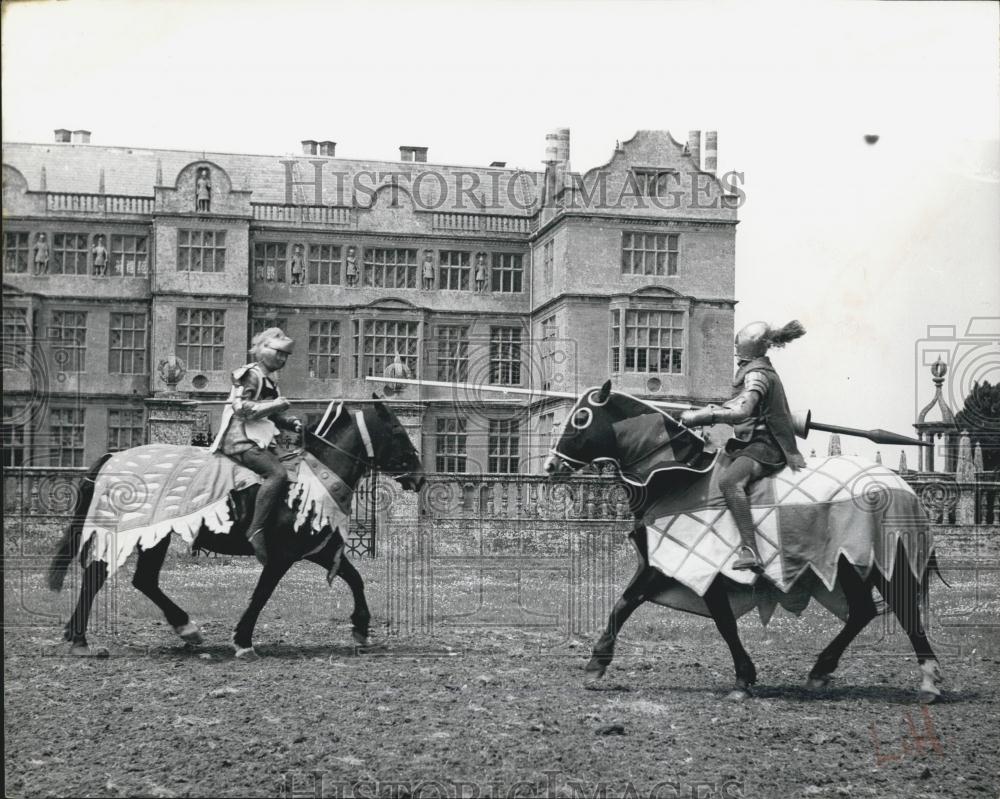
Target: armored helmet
[[753, 341], [275, 338]]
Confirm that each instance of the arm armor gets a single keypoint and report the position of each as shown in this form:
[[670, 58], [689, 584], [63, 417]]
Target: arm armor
[[245, 407], [248, 409], [737, 410]]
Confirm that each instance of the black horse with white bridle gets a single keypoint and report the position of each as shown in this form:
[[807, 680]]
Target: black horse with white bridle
[[342, 451], [834, 538]]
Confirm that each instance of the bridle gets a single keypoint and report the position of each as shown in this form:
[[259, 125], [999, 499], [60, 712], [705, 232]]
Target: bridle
[[359, 420]]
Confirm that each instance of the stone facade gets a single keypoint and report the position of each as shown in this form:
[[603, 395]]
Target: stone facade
[[201, 250]]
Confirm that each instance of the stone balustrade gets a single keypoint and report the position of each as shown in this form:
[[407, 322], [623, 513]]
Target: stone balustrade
[[303, 214], [481, 223], [103, 204]]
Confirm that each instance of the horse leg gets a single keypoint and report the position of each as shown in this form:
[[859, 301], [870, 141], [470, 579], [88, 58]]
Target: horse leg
[[332, 559], [635, 594], [266, 583], [860, 611], [903, 593], [361, 617], [94, 576], [717, 599], [147, 580]]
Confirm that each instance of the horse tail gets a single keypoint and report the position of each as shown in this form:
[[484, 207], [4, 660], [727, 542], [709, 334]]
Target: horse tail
[[933, 567], [780, 336], [71, 538]]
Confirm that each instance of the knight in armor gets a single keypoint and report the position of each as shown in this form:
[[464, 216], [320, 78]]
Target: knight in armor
[[250, 424], [764, 436]]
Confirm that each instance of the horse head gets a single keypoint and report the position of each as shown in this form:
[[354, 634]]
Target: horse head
[[395, 454], [352, 442], [606, 426]]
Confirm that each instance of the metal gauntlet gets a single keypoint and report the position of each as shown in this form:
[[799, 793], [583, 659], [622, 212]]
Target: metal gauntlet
[[699, 418]]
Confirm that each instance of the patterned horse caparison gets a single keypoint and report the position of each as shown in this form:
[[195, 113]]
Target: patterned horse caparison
[[137, 498], [831, 531]]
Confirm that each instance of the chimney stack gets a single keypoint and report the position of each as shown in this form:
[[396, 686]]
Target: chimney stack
[[309, 146], [81, 137], [557, 148], [327, 148], [62, 135], [694, 147], [416, 154], [711, 151]]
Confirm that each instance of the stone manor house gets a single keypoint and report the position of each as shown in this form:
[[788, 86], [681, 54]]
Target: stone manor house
[[128, 272]]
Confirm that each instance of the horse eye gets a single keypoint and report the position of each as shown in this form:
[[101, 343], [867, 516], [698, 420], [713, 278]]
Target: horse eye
[[582, 418]]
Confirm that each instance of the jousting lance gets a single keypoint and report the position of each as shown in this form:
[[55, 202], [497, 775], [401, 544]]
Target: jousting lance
[[803, 420]]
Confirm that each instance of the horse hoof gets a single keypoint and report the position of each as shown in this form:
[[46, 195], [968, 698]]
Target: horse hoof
[[737, 695], [245, 653], [190, 633], [593, 676], [85, 651], [928, 697], [818, 683]]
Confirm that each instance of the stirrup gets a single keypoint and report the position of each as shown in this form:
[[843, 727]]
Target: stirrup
[[748, 561]]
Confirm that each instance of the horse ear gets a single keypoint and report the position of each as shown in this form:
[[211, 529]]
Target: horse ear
[[605, 392], [380, 409]]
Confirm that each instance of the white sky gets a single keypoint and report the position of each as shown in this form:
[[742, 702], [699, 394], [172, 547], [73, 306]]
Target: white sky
[[867, 245]]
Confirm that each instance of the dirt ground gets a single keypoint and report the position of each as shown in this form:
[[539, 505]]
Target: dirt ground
[[483, 711]]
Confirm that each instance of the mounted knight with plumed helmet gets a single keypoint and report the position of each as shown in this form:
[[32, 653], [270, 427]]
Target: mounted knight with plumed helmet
[[764, 434], [250, 423]]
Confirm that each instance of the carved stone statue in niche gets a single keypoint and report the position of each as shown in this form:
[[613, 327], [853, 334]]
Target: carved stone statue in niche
[[203, 190], [428, 270], [41, 258], [297, 267], [352, 267], [482, 274], [100, 254]]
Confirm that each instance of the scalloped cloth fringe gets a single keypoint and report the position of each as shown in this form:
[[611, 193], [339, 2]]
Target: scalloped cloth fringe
[[806, 520], [143, 494]]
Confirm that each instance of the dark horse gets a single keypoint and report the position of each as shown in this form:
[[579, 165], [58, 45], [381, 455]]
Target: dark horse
[[352, 445], [594, 432]]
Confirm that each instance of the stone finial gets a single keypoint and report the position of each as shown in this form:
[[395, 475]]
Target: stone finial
[[159, 172], [965, 469], [100, 182], [977, 457], [834, 448], [938, 371], [43, 182], [902, 462], [878, 457], [171, 371]]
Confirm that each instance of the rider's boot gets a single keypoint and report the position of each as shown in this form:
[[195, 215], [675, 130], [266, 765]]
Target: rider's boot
[[748, 558], [268, 495]]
